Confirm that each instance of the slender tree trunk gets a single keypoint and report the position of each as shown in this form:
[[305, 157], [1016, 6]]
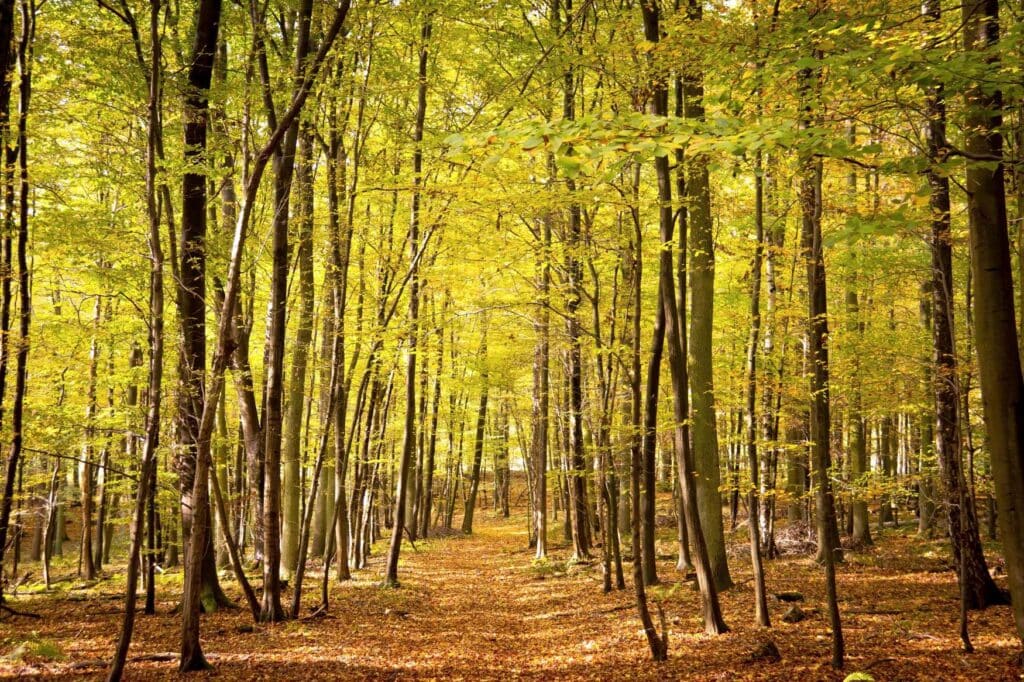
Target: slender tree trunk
[[409, 437], [926, 427], [428, 485], [478, 443], [337, 362], [885, 464], [191, 651], [829, 550], [100, 547], [284, 165], [291, 456], [85, 476], [753, 516], [713, 622], [861, 533], [540, 415], [650, 438], [6, 81], [156, 343], [641, 436], [772, 394]]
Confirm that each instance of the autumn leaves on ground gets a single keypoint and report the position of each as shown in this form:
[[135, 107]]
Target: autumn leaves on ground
[[479, 607]]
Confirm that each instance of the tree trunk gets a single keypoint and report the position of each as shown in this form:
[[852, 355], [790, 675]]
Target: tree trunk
[[24, 276], [409, 437], [829, 550], [291, 456], [284, 166], [191, 651], [885, 465], [702, 286], [673, 330], [478, 443], [86, 568], [861, 532], [999, 367], [979, 588], [156, 347], [753, 515], [540, 414], [428, 485], [191, 295]]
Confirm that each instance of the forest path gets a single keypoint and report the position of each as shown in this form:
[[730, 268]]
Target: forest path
[[477, 608]]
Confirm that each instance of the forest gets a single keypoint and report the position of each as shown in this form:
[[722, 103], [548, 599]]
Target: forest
[[512, 339]]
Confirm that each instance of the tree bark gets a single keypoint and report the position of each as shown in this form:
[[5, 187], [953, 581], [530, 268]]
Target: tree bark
[[999, 368], [702, 286], [409, 437], [24, 275], [829, 550], [540, 414], [962, 521], [86, 568], [156, 346], [713, 622], [861, 533], [478, 443], [291, 456], [191, 295], [428, 485], [284, 166], [191, 651], [753, 515]]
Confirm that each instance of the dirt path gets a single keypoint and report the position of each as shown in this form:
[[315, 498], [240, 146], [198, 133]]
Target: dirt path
[[476, 608]]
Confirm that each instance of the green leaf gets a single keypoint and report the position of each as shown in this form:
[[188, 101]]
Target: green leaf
[[569, 166], [533, 142], [858, 677]]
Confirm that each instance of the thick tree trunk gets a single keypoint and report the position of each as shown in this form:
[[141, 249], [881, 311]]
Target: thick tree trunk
[[702, 287], [999, 367], [24, 276], [979, 588], [191, 295]]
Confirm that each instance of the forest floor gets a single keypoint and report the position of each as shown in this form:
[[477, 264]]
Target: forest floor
[[477, 607]]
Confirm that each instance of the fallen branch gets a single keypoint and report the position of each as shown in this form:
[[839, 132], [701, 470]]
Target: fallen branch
[[4, 608]]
